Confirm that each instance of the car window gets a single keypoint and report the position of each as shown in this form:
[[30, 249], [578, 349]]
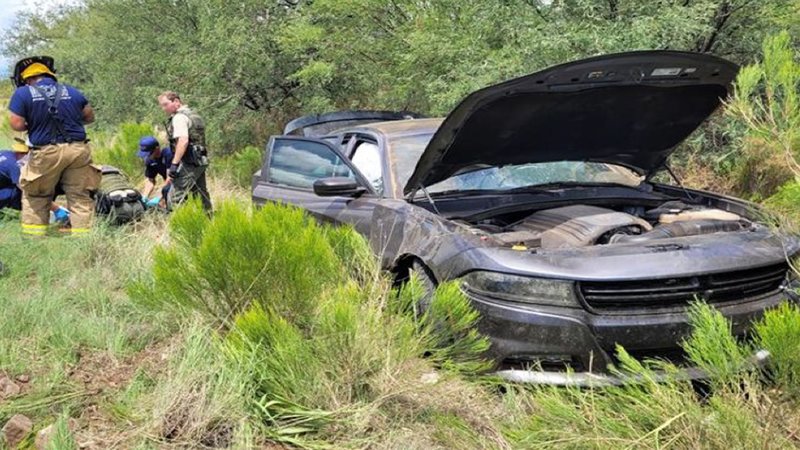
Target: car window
[[404, 154], [406, 151], [522, 175], [298, 163], [367, 159]]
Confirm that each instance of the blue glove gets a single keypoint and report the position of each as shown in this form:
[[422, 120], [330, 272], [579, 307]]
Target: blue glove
[[152, 202], [61, 214]]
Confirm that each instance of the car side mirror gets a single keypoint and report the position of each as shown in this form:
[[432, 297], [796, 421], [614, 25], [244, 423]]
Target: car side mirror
[[338, 187]]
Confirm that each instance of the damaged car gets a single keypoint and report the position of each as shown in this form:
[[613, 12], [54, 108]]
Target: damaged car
[[538, 196]]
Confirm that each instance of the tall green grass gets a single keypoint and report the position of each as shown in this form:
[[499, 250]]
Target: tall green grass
[[119, 150], [239, 166], [326, 354], [740, 411], [305, 314]]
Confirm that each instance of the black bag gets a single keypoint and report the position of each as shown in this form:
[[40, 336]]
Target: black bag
[[117, 199]]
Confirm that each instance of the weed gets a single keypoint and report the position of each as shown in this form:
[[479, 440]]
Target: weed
[[779, 333], [121, 153], [239, 166]]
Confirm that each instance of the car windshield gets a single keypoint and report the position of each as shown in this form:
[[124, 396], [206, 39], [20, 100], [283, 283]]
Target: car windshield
[[407, 150]]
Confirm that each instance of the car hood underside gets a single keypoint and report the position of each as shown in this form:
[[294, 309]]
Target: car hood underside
[[630, 109]]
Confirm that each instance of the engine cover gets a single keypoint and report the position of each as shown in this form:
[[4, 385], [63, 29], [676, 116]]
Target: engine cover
[[578, 225]]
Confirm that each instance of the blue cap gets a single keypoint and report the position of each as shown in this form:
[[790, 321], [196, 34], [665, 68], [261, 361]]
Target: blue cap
[[146, 145]]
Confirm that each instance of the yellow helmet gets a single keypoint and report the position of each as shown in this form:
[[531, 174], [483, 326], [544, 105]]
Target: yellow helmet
[[36, 69], [31, 67]]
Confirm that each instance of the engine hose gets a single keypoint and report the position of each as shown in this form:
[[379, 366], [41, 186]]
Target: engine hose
[[680, 229]]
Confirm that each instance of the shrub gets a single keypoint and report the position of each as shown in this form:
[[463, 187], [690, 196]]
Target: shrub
[[779, 333], [240, 166], [767, 102], [712, 347], [450, 325], [121, 153], [324, 348], [275, 257], [785, 201], [646, 413]]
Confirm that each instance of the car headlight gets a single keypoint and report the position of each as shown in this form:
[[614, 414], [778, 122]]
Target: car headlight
[[515, 288]]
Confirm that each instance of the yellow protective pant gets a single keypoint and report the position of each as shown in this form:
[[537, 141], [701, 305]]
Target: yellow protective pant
[[69, 165]]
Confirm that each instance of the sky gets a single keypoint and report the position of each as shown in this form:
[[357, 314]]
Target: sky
[[9, 10]]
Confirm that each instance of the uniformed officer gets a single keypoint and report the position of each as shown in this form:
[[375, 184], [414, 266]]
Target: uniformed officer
[[187, 138], [54, 116]]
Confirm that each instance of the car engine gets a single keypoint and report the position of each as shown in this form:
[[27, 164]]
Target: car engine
[[585, 225]]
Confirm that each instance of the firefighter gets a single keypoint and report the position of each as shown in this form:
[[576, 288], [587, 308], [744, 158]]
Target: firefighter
[[187, 139], [54, 116]]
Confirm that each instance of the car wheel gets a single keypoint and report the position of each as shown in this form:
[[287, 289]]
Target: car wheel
[[428, 284]]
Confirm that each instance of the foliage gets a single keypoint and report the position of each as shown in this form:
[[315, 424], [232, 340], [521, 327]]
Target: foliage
[[249, 66], [711, 346], [779, 333], [62, 438], [313, 329], [767, 104], [204, 407], [274, 257], [121, 152], [646, 413], [785, 201], [240, 166]]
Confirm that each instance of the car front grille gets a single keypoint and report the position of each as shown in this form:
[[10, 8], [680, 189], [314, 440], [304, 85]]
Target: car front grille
[[673, 292]]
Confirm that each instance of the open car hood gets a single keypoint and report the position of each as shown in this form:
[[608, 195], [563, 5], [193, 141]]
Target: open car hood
[[630, 109]]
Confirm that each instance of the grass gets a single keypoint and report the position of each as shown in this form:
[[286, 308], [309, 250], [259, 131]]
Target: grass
[[295, 338]]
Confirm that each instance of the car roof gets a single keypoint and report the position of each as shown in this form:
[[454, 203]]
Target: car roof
[[398, 128]]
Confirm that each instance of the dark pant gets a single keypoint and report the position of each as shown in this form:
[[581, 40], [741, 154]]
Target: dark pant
[[191, 180], [13, 202]]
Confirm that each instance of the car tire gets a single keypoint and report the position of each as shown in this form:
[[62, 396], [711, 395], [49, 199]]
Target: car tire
[[428, 284]]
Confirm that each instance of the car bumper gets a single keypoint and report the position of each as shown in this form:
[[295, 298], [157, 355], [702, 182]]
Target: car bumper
[[589, 379], [554, 341]]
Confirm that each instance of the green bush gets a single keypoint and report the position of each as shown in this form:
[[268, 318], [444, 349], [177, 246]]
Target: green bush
[[314, 326], [779, 333], [786, 201], [767, 104], [449, 325], [121, 153], [275, 257], [239, 166], [712, 347], [649, 413]]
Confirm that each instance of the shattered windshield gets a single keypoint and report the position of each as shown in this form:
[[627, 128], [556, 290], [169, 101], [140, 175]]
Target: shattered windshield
[[407, 151]]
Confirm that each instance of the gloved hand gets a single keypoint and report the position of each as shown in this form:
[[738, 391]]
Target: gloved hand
[[152, 202], [61, 214], [172, 172]]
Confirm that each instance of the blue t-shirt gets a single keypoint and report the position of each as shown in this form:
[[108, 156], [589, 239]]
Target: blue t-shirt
[[29, 103], [9, 176], [158, 166]]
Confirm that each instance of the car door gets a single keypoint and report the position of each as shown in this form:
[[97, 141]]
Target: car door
[[292, 165]]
